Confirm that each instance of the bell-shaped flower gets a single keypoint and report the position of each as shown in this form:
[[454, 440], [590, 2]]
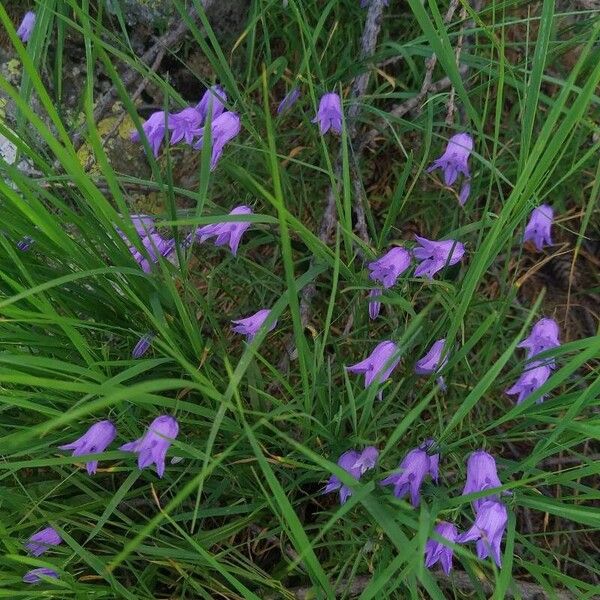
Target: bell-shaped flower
[[184, 124], [430, 363], [532, 378], [544, 336], [40, 541], [250, 325], [481, 475], [367, 459], [390, 266], [228, 232], [434, 256], [355, 464], [26, 27], [379, 365], [153, 445], [154, 130], [411, 472], [374, 303], [223, 129], [329, 115], [539, 228], [143, 345], [25, 243], [437, 552], [36, 575], [95, 440], [490, 523], [455, 161], [213, 101], [289, 100]]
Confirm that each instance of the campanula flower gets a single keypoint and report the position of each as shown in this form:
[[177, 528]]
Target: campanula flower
[[329, 115], [390, 266], [538, 230], [434, 256], [214, 98], [543, 336], [455, 160], [35, 575], [26, 26], [430, 363], [229, 232], [153, 445], [40, 541], [379, 365], [95, 440], [289, 100], [250, 325], [532, 378], [142, 346], [154, 130], [355, 464], [490, 522], [374, 304], [481, 475], [184, 124], [25, 243], [411, 472], [223, 129], [437, 552], [155, 246]]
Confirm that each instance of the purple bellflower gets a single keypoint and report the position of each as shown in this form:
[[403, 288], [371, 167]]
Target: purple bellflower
[[143, 345], [289, 100], [437, 552], [430, 363], [531, 379], [40, 541], [223, 129], [411, 472], [455, 160], [95, 440], [329, 115], [26, 27], [153, 445], [481, 475], [355, 464], [379, 365], [229, 232], [183, 125], [487, 530], [543, 336], [250, 325], [434, 256], [538, 230], [154, 130], [390, 266], [374, 304], [25, 243], [35, 575], [213, 101], [155, 246]]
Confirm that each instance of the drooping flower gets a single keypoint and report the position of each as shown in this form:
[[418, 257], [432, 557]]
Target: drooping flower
[[154, 130], [40, 541], [26, 26], [436, 551], [329, 115], [374, 304], [229, 232], [35, 575], [532, 378], [390, 266], [434, 256], [214, 98], [25, 243], [543, 337], [153, 445], [223, 129], [142, 346], [95, 440], [250, 325], [355, 464], [155, 246], [184, 124], [481, 475], [379, 365], [538, 230], [289, 100], [430, 363], [487, 530], [455, 160], [411, 472]]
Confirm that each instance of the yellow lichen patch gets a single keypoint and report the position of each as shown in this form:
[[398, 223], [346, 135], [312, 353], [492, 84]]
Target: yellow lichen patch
[[126, 128], [13, 67]]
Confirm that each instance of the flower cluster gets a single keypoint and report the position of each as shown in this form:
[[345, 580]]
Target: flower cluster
[[39, 543]]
